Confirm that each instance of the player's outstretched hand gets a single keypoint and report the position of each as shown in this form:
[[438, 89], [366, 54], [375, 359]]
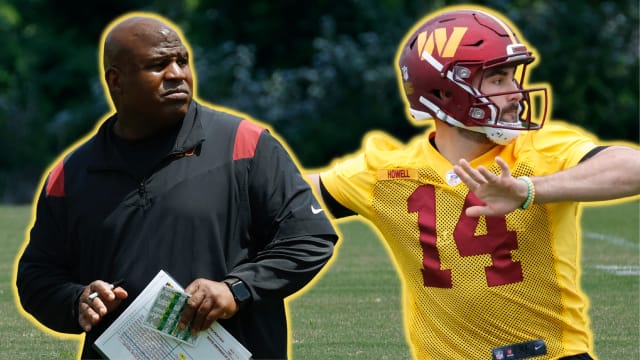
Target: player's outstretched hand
[[501, 194]]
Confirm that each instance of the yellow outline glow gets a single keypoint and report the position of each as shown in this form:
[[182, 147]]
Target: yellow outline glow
[[80, 337], [422, 40]]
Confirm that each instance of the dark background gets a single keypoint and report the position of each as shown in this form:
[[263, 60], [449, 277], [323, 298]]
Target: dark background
[[319, 72]]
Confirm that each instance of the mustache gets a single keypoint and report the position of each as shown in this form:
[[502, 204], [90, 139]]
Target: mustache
[[510, 107]]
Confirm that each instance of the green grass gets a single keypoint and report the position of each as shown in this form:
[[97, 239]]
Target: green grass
[[353, 310], [615, 298], [19, 338]]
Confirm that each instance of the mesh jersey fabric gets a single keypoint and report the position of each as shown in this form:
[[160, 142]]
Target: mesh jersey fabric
[[472, 284]]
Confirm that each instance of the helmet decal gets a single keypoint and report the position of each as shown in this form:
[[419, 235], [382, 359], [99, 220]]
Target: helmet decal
[[446, 47]]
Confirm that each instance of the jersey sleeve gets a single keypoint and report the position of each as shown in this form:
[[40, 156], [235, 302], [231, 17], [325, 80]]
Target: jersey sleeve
[[561, 144], [350, 183], [351, 180]]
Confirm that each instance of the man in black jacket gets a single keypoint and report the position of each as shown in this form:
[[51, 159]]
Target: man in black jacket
[[167, 183]]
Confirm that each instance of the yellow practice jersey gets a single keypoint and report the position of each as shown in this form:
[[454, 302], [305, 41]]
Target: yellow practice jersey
[[474, 284]]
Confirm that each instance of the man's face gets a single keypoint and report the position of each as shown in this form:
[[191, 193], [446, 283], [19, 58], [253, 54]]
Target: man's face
[[500, 80], [156, 82]]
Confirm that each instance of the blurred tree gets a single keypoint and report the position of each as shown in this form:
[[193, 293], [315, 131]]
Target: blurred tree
[[320, 72]]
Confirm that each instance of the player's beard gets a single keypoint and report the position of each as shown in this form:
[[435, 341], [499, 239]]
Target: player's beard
[[476, 137], [510, 114]]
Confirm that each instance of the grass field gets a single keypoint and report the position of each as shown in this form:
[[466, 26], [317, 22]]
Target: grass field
[[353, 311]]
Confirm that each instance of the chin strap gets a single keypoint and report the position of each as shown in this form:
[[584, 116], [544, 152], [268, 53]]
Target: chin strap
[[501, 136]]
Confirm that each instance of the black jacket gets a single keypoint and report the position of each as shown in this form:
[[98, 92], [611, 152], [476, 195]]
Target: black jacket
[[226, 201]]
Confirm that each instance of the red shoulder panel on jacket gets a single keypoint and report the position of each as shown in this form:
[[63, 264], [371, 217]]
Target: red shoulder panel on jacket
[[55, 184], [246, 141]]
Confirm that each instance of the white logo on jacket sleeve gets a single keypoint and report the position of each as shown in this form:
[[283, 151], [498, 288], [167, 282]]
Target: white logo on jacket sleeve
[[315, 210]]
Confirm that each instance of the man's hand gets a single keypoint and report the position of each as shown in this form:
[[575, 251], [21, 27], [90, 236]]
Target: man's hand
[[501, 193], [91, 311], [210, 301]]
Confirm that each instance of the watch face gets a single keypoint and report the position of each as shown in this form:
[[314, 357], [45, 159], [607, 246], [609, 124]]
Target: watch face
[[240, 291]]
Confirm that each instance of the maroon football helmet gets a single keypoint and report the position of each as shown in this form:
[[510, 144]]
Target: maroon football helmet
[[443, 56]]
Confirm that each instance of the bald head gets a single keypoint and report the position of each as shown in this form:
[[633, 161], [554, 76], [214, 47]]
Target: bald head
[[148, 75], [123, 38]]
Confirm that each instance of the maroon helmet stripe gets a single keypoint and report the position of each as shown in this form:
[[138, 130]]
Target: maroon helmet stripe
[[55, 184], [246, 140]]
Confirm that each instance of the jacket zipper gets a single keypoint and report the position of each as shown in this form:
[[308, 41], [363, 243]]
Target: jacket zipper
[[144, 196], [144, 200]]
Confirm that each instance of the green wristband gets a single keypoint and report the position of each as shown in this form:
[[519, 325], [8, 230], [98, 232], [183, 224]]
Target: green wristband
[[531, 194]]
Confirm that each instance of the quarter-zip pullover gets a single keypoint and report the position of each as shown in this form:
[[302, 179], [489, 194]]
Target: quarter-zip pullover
[[227, 200]]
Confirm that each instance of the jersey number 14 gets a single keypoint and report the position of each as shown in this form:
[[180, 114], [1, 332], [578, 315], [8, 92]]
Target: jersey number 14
[[497, 242]]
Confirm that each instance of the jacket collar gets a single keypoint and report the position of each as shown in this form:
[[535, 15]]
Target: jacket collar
[[190, 136]]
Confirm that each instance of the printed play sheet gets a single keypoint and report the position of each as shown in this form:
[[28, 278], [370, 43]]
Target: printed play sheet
[[147, 329]]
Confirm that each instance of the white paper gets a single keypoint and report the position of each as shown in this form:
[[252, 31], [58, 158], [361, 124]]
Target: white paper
[[128, 338]]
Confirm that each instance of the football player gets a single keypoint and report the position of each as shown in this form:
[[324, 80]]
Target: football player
[[480, 213]]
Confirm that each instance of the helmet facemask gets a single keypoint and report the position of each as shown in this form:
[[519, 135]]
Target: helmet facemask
[[484, 115], [484, 112]]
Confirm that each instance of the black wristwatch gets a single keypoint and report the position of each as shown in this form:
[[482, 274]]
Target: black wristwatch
[[240, 291]]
